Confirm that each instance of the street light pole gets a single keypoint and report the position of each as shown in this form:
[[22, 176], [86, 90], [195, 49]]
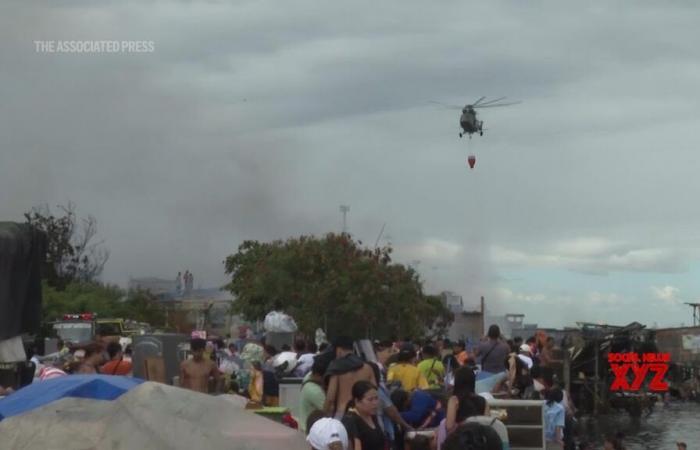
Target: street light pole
[[344, 209]]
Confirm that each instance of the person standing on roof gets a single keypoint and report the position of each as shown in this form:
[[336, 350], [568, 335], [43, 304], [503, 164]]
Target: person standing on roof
[[186, 281]]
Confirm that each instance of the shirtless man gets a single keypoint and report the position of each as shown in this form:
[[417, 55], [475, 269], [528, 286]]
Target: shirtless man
[[195, 372], [342, 374]]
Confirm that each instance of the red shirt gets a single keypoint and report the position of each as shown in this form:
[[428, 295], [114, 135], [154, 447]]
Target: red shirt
[[462, 358], [117, 367]]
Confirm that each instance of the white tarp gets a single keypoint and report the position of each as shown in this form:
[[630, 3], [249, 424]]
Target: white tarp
[[151, 416]]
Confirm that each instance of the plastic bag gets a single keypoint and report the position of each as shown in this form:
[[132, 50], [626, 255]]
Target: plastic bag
[[285, 362], [320, 337], [278, 322]]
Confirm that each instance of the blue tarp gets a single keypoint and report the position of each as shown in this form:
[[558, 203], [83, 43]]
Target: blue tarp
[[40, 393]]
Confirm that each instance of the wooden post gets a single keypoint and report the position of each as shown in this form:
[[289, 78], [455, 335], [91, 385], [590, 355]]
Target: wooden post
[[567, 369], [595, 386]]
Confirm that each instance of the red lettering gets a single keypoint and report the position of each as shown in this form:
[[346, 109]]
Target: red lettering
[[623, 357], [630, 357], [658, 383], [640, 373], [665, 357], [620, 382], [649, 357]]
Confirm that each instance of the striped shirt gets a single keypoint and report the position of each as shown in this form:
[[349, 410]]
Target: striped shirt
[[49, 372]]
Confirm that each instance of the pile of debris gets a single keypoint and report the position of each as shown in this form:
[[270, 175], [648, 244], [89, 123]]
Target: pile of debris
[[151, 415]]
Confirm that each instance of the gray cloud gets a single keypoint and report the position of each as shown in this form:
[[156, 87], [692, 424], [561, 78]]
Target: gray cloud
[[179, 169]]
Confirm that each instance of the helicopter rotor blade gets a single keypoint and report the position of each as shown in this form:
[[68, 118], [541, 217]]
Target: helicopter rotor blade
[[445, 105], [478, 101], [499, 104], [496, 100]]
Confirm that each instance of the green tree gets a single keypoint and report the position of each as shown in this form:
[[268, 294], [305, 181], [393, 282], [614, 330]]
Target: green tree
[[73, 253], [332, 283], [105, 300], [142, 306]]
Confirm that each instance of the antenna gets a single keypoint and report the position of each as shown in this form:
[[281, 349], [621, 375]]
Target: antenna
[[376, 243], [344, 209]]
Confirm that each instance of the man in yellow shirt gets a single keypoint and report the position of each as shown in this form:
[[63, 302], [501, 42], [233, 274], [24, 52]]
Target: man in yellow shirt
[[405, 371], [431, 367]]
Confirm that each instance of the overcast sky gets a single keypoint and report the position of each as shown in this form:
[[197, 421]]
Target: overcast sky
[[257, 119]]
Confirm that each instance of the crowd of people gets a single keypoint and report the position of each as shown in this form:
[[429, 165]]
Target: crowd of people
[[440, 386], [93, 358], [365, 405], [351, 403]]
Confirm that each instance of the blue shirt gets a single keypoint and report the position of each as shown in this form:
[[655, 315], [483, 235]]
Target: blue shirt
[[422, 404], [554, 417]]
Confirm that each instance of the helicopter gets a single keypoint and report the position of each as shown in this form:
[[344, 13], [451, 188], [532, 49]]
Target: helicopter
[[468, 121]]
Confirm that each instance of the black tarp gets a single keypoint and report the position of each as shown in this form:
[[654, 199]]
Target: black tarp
[[22, 252]]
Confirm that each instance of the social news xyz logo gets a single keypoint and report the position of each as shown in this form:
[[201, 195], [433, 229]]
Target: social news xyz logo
[[641, 366]]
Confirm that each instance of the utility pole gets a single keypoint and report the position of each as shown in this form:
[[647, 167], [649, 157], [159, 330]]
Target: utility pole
[[344, 209], [696, 313], [483, 316]]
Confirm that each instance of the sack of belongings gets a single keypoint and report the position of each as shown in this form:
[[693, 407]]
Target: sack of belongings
[[279, 322]]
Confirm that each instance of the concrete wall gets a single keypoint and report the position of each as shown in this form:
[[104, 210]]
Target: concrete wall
[[467, 325], [506, 323], [682, 343]]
